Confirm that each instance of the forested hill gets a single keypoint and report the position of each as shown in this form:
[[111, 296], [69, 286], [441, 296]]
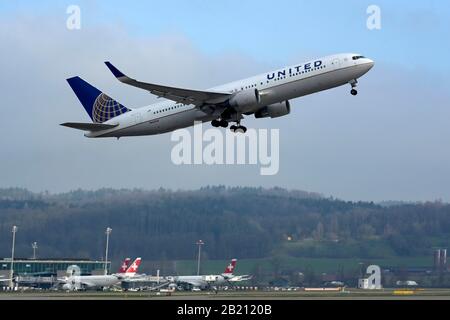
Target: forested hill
[[233, 222]]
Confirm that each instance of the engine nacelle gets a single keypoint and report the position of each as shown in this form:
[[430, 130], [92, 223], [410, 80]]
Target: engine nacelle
[[274, 110], [244, 99]]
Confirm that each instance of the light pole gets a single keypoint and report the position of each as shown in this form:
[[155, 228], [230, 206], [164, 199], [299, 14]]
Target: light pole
[[199, 243], [108, 232], [34, 246], [14, 230], [361, 272]]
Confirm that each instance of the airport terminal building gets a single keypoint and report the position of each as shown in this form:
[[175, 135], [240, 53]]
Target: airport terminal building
[[49, 267], [44, 272]]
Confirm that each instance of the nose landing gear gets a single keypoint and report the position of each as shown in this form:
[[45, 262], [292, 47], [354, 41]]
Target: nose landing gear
[[354, 84]]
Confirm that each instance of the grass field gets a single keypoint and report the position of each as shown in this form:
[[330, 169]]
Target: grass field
[[348, 294]]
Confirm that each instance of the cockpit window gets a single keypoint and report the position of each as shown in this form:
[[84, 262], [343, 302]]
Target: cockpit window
[[358, 57]]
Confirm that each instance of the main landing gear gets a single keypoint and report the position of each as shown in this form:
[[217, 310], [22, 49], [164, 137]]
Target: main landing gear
[[224, 124], [354, 84], [238, 129], [219, 123]]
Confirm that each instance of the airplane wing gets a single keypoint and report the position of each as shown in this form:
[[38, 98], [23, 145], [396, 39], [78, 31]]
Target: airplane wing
[[180, 95], [87, 284], [89, 126], [245, 277]]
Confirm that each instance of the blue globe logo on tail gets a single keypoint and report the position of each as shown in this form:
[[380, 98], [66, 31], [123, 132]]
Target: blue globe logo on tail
[[98, 105], [106, 108]]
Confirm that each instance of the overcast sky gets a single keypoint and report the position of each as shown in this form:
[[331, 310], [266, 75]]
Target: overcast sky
[[391, 142]]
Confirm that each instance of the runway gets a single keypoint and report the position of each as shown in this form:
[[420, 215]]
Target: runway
[[388, 294]]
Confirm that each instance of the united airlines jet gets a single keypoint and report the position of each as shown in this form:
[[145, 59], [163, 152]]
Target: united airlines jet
[[265, 95]]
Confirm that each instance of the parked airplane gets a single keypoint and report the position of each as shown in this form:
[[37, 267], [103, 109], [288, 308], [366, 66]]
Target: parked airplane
[[124, 266], [74, 282], [232, 278], [265, 95], [205, 281], [131, 270], [2, 279]]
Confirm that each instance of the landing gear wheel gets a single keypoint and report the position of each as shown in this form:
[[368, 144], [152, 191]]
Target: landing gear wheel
[[241, 129], [223, 123], [215, 123], [238, 129], [354, 84]]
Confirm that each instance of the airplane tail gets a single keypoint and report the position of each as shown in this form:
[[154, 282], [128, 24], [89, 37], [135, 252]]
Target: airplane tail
[[123, 268], [230, 268], [131, 271], [99, 106]]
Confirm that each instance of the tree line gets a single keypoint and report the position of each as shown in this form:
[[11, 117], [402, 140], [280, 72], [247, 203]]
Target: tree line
[[233, 222]]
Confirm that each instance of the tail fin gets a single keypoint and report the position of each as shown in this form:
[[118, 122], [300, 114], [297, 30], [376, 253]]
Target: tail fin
[[123, 268], [134, 267], [230, 268], [99, 106]]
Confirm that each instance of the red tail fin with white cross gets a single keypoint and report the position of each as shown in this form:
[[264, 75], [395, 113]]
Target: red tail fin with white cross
[[134, 267], [124, 266], [230, 268]]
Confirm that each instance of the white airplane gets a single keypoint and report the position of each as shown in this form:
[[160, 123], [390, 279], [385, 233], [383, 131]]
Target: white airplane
[[73, 282], [205, 281], [2, 279], [264, 95]]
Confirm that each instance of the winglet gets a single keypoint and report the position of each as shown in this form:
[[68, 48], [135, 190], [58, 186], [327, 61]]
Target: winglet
[[114, 70]]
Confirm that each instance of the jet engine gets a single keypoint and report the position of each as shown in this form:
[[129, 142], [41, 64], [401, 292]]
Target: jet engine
[[244, 99], [274, 110]]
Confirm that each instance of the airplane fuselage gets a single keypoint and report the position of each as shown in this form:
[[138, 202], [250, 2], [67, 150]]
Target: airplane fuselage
[[273, 87], [201, 281], [90, 282]]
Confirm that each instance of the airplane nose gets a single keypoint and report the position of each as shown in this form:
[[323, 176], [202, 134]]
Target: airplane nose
[[371, 63]]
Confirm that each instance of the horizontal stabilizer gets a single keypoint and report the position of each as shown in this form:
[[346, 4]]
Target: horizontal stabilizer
[[89, 126]]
